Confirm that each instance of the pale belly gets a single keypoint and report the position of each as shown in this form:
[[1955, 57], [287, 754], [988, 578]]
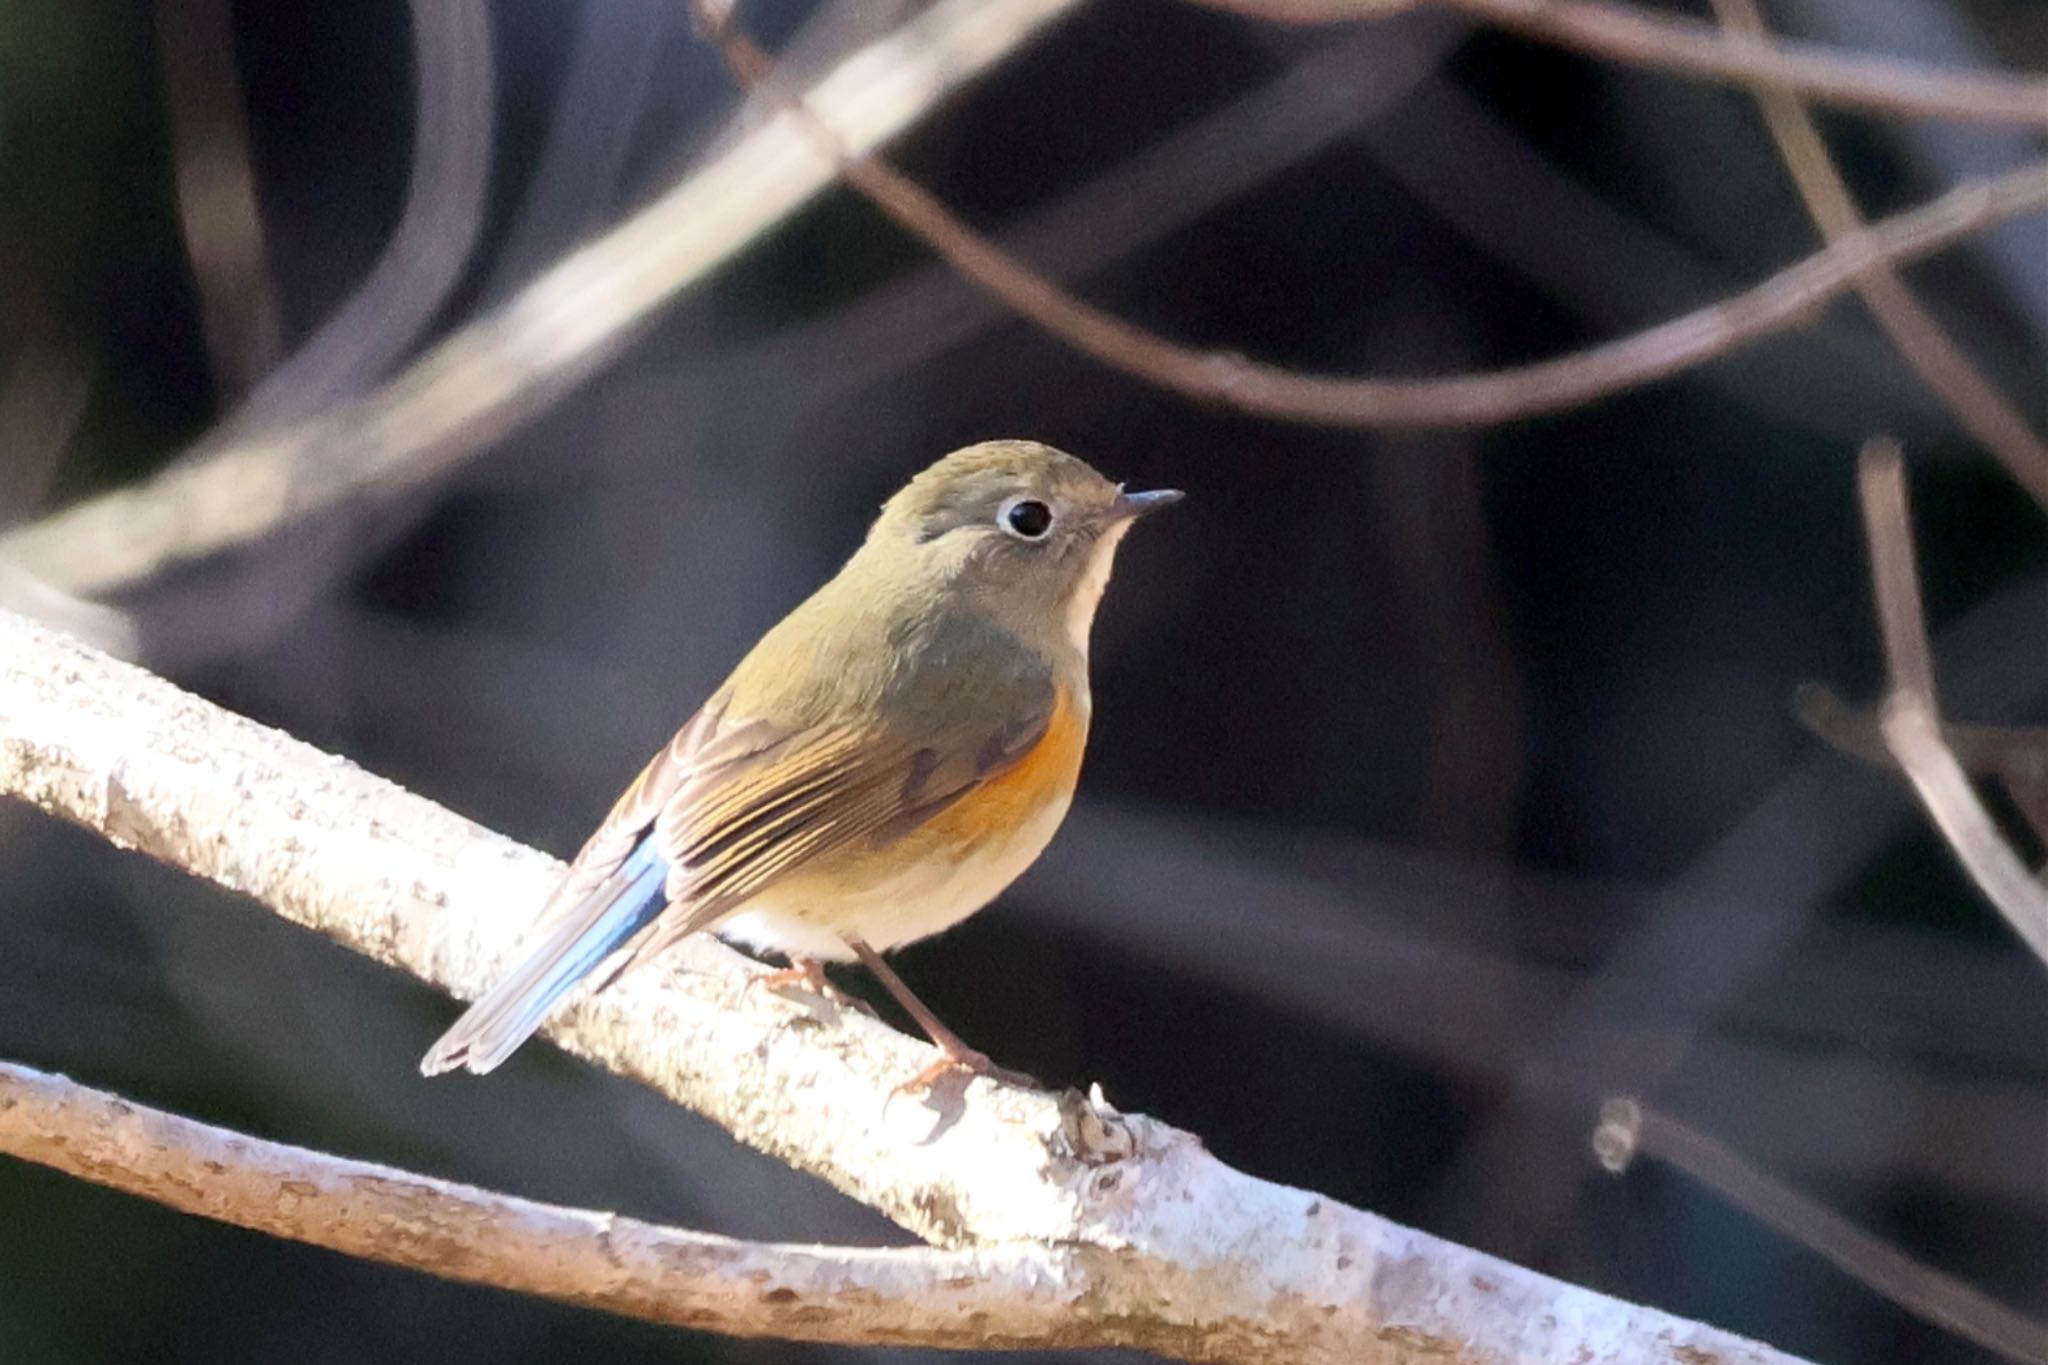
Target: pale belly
[[923, 896]]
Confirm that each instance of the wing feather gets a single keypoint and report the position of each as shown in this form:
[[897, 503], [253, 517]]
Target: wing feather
[[815, 793]]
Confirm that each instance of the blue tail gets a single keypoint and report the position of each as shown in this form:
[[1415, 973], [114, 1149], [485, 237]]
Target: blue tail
[[495, 1026]]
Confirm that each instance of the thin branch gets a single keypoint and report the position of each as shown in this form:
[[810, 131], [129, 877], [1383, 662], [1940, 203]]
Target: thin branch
[[511, 365], [1881, 484], [1628, 33], [1977, 404], [2016, 753], [1629, 1129], [506, 368], [1913, 734], [1206, 1262], [1233, 381], [1012, 1295], [1910, 720]]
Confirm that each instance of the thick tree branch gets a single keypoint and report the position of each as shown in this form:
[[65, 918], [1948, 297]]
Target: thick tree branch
[[1628, 33], [1207, 1263]]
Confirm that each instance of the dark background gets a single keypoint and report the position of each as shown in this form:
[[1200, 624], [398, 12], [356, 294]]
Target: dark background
[[1442, 784]]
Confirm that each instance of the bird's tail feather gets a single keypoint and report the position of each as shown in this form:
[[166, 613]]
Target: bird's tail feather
[[494, 1027]]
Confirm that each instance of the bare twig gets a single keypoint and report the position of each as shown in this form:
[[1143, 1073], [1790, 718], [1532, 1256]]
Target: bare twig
[[1549, 386], [1607, 266], [491, 376], [2018, 754], [1980, 407], [1910, 719], [1913, 734], [1326, 96], [1628, 1129], [1627, 33], [509, 366], [1881, 482], [1209, 1263], [1739, 910]]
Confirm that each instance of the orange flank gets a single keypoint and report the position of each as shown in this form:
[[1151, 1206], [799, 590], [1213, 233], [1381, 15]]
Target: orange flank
[[1007, 802]]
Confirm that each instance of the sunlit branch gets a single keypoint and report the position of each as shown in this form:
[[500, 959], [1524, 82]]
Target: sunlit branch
[[1200, 1261]]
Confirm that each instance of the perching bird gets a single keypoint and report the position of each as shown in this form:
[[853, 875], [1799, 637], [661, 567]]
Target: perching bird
[[883, 763]]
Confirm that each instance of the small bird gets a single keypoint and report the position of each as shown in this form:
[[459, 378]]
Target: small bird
[[888, 758]]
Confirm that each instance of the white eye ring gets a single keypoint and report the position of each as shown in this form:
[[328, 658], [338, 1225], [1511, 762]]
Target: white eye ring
[[1025, 517]]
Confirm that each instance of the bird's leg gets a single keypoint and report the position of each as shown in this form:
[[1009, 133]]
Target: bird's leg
[[956, 1053]]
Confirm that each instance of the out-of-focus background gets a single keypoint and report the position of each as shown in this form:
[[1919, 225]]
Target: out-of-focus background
[[1443, 783]]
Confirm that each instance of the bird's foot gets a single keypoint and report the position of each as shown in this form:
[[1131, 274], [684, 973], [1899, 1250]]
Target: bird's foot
[[963, 1059], [806, 975]]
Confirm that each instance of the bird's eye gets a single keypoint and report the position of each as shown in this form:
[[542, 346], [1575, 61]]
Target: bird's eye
[[1025, 518]]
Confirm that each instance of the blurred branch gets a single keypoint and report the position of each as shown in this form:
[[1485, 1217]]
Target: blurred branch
[[1981, 408], [2016, 755], [217, 207], [1629, 1129], [1326, 96], [1909, 655], [43, 399], [1628, 33], [1910, 719], [1018, 1294], [454, 92], [1998, 750], [1197, 1260], [1233, 381], [507, 367], [609, 75], [1589, 253], [1859, 1025]]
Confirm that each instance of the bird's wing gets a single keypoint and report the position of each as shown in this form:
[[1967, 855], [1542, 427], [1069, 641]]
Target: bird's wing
[[612, 891], [731, 831], [705, 746], [732, 804]]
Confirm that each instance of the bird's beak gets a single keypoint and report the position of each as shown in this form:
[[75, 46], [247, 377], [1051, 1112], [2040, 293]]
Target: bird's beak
[[1138, 504]]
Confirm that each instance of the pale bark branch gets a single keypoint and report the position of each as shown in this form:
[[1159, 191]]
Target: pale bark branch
[[1016, 1294], [1910, 718], [1920, 339], [486, 379], [1234, 381], [1628, 33], [1199, 1260], [1629, 1129]]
